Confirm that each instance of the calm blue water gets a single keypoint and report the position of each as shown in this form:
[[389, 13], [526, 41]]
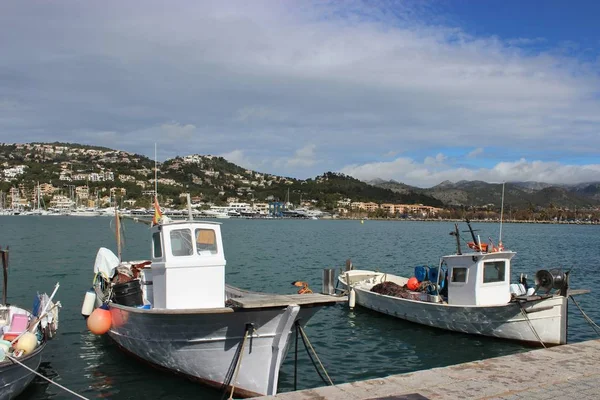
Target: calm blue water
[[267, 255]]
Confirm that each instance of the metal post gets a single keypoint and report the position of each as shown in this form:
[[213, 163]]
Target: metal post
[[4, 254], [328, 278], [189, 207]]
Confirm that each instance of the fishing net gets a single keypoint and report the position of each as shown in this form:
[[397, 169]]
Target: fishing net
[[392, 289]]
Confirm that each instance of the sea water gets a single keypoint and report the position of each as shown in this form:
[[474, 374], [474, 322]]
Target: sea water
[[267, 255]]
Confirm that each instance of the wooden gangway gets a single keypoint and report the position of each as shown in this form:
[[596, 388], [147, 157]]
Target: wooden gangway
[[246, 299]]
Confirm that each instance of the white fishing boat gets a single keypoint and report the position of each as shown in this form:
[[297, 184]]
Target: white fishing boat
[[176, 312], [471, 293]]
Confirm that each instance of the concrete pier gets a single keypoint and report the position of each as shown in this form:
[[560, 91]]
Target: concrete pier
[[570, 372]]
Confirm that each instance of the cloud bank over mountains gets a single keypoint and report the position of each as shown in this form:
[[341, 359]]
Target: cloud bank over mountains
[[429, 174], [372, 89]]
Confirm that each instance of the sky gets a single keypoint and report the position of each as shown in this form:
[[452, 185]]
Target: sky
[[416, 91]]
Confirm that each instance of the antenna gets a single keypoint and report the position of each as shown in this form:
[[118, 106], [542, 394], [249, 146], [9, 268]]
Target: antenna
[[501, 216]]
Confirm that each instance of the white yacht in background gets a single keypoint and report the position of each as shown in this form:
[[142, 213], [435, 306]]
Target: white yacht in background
[[217, 212], [107, 212], [85, 212]]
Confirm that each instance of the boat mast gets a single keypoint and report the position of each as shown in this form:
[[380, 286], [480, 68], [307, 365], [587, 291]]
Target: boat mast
[[118, 231], [501, 216], [457, 234], [4, 255], [155, 174], [189, 207]]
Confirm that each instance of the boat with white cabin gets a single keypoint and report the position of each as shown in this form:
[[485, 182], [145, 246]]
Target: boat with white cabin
[[471, 293], [175, 311]]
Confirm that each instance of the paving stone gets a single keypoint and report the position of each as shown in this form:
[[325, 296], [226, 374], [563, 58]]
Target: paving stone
[[568, 372]]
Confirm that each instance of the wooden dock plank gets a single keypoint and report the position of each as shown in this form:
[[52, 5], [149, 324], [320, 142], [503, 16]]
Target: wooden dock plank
[[279, 300], [575, 292]]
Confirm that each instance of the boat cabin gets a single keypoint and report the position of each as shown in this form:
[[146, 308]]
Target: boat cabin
[[188, 266], [479, 279]]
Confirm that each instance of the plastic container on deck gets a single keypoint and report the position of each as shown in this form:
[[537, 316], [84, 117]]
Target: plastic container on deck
[[18, 323], [128, 293], [422, 273], [517, 289]]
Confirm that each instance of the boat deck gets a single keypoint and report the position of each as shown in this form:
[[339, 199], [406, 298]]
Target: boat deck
[[260, 300], [562, 372]]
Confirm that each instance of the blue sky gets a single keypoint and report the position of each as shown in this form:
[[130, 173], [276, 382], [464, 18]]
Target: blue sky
[[553, 22], [416, 91]]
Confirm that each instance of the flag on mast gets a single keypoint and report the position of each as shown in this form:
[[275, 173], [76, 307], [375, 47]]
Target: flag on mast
[[157, 212]]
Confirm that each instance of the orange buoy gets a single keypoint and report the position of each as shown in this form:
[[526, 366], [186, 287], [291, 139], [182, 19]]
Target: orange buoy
[[412, 284], [100, 320]]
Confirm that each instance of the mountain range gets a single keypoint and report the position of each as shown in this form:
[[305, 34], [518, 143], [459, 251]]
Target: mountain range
[[516, 194]]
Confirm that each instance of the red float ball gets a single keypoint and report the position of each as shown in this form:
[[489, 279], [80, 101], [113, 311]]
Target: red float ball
[[412, 284], [99, 321]]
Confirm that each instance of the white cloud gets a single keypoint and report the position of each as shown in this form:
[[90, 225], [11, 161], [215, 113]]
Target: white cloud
[[437, 160], [302, 158], [259, 113], [238, 157], [357, 78], [475, 153], [524, 41], [429, 174], [177, 131]]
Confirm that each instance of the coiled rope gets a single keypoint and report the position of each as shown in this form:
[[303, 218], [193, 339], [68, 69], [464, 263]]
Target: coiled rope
[[47, 379]]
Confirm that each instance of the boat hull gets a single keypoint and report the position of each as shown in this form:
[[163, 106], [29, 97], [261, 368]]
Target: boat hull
[[205, 345], [14, 378], [547, 317], [543, 320]]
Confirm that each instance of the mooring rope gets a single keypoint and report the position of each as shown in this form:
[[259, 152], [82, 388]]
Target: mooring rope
[[47, 379], [305, 340], [595, 326], [531, 325], [239, 362]]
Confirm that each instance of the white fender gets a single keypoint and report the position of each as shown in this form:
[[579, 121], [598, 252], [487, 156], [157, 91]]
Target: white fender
[[89, 301]]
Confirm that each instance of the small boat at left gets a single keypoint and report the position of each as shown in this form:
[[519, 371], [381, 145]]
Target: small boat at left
[[24, 337]]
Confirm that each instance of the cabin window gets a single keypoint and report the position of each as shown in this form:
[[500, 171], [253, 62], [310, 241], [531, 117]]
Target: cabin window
[[181, 242], [459, 275], [156, 245], [206, 241], [494, 271]]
